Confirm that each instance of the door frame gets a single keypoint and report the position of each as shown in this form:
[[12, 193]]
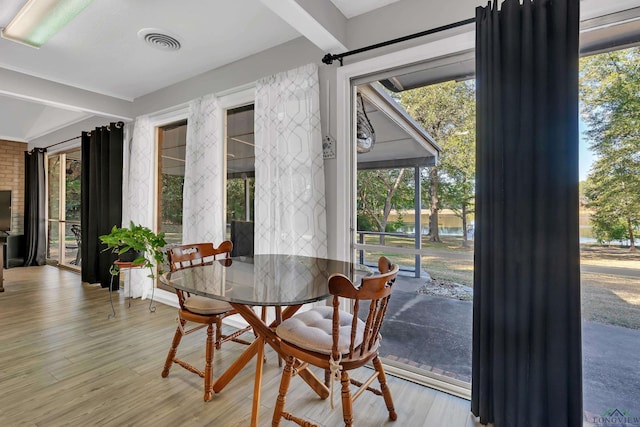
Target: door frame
[[346, 160], [62, 201]]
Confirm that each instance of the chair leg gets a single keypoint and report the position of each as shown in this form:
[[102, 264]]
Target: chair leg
[[278, 314], [174, 347], [347, 407], [384, 388], [287, 373], [278, 321], [208, 369], [218, 333]]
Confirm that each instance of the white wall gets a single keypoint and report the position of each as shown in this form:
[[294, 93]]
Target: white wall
[[403, 18], [237, 74]]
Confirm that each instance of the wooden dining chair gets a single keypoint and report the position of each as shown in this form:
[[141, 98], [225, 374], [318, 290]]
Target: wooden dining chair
[[206, 312], [338, 341]]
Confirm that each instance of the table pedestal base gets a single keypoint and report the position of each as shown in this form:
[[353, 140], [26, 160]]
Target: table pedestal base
[[265, 334]]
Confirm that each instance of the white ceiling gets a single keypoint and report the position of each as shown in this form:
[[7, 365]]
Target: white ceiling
[[22, 120], [100, 52], [351, 8], [103, 39]]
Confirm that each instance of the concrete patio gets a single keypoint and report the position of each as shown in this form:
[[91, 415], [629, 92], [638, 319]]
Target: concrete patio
[[434, 334]]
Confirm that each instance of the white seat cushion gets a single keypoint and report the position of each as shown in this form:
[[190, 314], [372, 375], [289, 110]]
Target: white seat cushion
[[202, 305], [311, 330]]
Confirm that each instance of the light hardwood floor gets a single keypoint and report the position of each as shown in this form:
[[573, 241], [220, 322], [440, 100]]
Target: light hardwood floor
[[62, 362]]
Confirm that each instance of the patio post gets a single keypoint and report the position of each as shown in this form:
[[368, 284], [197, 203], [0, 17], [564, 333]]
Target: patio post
[[418, 220]]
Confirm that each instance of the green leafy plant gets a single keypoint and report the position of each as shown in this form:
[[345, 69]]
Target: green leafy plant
[[138, 239]]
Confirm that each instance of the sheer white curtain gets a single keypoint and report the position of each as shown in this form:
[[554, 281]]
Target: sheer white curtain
[[138, 202], [203, 194], [290, 213]]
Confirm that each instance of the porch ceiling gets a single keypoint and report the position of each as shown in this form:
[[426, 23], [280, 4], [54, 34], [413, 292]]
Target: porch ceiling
[[400, 140]]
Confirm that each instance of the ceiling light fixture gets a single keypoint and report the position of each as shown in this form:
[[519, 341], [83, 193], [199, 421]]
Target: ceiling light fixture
[[39, 20], [365, 135]]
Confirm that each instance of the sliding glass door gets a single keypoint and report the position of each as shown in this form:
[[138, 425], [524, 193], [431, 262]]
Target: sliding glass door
[[63, 231], [418, 212]]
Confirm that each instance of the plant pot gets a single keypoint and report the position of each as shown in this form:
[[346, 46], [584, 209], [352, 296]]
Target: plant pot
[[129, 256]]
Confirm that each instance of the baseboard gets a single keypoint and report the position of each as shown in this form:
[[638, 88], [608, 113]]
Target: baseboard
[[166, 298]]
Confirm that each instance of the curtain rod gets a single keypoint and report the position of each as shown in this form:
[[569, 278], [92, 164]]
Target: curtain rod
[[118, 124], [61, 142], [329, 58]]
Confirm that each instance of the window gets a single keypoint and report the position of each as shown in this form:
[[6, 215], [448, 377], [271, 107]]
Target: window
[[240, 186], [172, 141]]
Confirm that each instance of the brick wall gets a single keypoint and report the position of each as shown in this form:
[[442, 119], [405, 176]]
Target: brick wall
[[12, 178]]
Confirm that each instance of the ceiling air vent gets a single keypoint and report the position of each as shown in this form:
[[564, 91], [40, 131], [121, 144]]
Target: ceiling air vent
[[159, 39]]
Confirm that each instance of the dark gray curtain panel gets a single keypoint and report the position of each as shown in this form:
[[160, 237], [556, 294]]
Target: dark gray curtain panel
[[101, 203], [527, 363], [35, 208]]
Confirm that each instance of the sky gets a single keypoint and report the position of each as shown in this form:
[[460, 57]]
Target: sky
[[585, 156]]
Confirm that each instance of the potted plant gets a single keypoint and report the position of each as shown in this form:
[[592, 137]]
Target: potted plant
[[136, 244]]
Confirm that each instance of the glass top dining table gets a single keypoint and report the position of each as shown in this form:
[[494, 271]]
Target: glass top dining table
[[264, 280]]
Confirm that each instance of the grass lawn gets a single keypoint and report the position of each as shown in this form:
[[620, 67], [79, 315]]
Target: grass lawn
[[614, 300], [606, 298]]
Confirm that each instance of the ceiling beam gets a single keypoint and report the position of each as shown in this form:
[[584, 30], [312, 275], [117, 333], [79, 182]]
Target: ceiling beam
[[320, 22], [416, 162], [35, 89]]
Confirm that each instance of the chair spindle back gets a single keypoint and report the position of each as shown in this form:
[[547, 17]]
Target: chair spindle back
[[375, 289], [185, 256]]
